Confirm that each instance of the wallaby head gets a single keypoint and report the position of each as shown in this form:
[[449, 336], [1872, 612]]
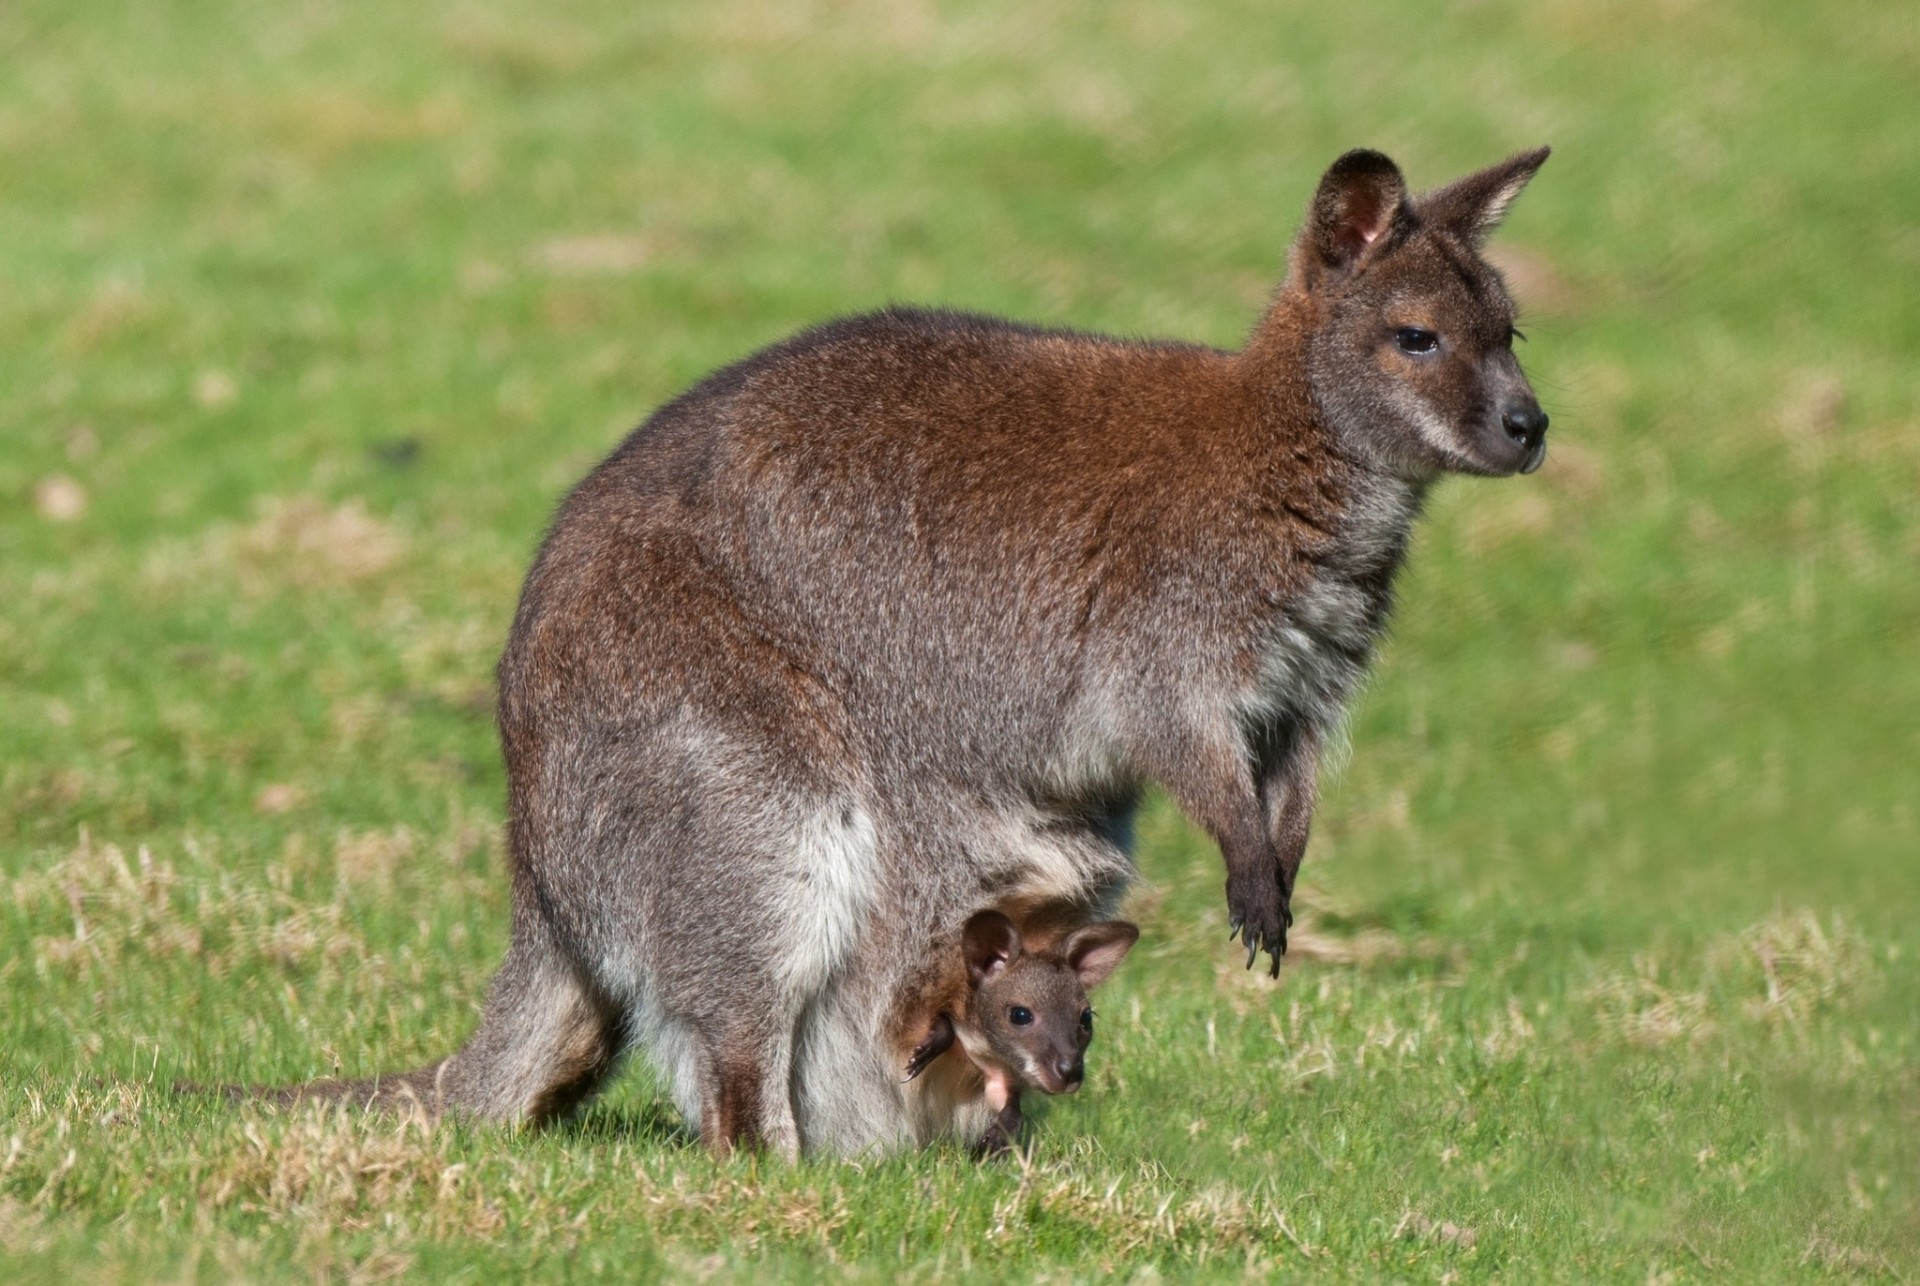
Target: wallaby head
[[1410, 332], [1027, 1011]]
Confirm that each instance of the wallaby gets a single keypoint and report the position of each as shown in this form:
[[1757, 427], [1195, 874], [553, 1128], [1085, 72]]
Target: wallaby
[[1019, 1013], [896, 618]]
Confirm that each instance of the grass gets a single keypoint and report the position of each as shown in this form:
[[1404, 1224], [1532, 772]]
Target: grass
[[312, 311]]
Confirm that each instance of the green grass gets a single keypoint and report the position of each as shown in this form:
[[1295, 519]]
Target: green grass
[[309, 313]]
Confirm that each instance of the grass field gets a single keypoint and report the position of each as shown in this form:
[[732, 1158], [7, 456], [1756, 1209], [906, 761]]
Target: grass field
[[309, 314]]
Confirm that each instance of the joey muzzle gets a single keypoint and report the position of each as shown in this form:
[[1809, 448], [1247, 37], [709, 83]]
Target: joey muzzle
[[1062, 1074], [1526, 424]]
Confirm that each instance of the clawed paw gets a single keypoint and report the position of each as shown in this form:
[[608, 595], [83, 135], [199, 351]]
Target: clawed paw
[[1259, 918], [936, 1042]]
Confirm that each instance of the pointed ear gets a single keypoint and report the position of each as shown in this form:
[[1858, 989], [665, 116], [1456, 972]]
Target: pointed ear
[[990, 943], [1097, 950], [1472, 207], [1358, 201]]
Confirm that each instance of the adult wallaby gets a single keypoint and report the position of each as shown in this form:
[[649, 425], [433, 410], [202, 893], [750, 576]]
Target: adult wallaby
[[1018, 1011], [894, 619]]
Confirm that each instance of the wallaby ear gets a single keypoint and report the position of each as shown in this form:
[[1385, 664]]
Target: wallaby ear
[[990, 943], [1473, 206], [1097, 950], [1359, 198]]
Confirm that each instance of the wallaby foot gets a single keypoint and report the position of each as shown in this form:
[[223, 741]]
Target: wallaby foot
[[746, 1100], [1004, 1133]]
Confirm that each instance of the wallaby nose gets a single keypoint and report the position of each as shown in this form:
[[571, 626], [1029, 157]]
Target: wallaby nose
[[1072, 1071], [1526, 425]]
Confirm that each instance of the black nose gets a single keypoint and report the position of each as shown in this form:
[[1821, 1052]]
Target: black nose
[[1072, 1071], [1526, 425]]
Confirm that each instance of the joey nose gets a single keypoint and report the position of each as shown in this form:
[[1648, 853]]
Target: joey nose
[[1072, 1071], [1525, 424]]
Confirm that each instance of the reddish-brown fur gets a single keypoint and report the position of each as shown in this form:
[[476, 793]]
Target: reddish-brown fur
[[895, 619]]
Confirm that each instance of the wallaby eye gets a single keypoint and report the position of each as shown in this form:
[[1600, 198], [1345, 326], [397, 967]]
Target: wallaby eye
[[1086, 1021], [1020, 1015], [1414, 340]]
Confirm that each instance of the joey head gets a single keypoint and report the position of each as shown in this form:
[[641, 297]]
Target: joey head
[[1025, 1021]]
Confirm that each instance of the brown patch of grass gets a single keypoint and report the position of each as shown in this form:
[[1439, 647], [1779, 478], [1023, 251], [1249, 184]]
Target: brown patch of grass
[[1130, 1219], [1307, 940], [316, 544], [1415, 1225], [1514, 515], [1315, 935], [371, 857], [1643, 1010], [116, 907], [1835, 1256], [551, 51], [22, 1229], [294, 542], [608, 254], [278, 797], [1778, 973], [59, 498], [1574, 471], [215, 390], [348, 1169], [333, 121], [118, 305], [1797, 965], [1817, 406]]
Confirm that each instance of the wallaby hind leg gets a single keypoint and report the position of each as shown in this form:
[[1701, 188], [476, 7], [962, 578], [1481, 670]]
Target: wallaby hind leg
[[746, 1093], [546, 1040]]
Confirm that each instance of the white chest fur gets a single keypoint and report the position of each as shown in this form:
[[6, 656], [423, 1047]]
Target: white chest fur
[[1317, 647]]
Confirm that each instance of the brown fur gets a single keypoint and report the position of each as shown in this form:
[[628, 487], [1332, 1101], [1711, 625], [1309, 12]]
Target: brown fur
[[896, 618]]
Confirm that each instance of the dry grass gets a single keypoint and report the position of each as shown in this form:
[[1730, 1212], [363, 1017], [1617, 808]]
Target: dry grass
[[1778, 973], [312, 311], [294, 543], [119, 909]]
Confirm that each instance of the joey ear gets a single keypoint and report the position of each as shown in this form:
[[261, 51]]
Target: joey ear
[[1097, 950], [990, 943], [1360, 197], [1474, 206]]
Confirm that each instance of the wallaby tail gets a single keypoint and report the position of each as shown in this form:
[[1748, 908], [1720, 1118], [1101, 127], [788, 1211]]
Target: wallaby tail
[[545, 1043], [423, 1090]]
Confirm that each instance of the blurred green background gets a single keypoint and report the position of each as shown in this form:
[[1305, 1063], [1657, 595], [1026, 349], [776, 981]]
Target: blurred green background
[[309, 313]]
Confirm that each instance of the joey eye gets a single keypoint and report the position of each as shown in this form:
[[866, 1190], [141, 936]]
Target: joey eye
[[1086, 1021], [1415, 341], [1020, 1016]]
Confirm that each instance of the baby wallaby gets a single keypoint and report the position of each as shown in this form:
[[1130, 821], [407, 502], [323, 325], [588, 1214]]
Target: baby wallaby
[[1024, 1020]]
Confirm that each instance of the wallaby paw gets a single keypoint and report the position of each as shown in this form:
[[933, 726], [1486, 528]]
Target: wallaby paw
[[1259, 918], [935, 1043]]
